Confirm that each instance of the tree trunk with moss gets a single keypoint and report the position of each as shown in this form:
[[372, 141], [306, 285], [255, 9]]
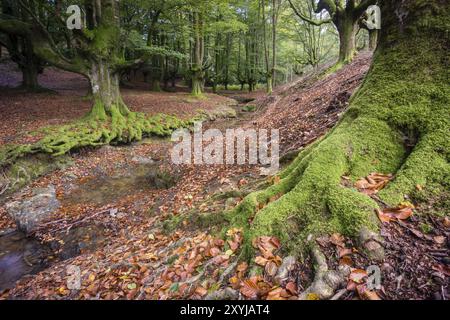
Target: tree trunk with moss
[[345, 15], [100, 58], [405, 96], [373, 39], [198, 54], [347, 28], [20, 49]]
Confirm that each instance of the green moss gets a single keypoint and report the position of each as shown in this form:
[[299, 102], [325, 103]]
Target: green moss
[[405, 96], [100, 127], [249, 108], [26, 170]]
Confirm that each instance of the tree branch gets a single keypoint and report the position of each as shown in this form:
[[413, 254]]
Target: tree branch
[[306, 19], [41, 45], [363, 6]]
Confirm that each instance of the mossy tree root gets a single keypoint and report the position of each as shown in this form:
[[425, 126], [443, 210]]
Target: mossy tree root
[[313, 199], [98, 128], [403, 99]]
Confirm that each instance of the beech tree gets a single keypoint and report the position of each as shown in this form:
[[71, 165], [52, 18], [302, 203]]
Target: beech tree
[[98, 54], [398, 123], [345, 15], [20, 48]]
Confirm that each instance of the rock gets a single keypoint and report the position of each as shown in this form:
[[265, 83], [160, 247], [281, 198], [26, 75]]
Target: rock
[[283, 272], [224, 294], [372, 244], [29, 214], [143, 160]]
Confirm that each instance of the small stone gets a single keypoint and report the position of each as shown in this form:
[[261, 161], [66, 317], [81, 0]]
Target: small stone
[[30, 213], [143, 160], [286, 267]]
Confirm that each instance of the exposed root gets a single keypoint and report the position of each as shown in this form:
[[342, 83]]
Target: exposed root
[[98, 128], [326, 281]]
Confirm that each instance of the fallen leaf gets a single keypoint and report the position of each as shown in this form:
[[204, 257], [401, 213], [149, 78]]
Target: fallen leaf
[[346, 260], [337, 239], [373, 183], [366, 294], [312, 296], [439, 239], [277, 294], [402, 212], [242, 267], [357, 275], [201, 291], [446, 222], [344, 252], [291, 287], [250, 289], [271, 269], [259, 260]]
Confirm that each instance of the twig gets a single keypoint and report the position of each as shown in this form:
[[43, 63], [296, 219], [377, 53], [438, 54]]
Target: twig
[[82, 220], [339, 294]]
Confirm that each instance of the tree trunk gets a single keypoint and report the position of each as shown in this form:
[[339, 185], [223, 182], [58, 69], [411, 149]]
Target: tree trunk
[[106, 92], [30, 74], [373, 39], [405, 94], [347, 29], [197, 81]]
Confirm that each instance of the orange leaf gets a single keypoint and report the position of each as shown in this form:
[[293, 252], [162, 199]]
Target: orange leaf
[[277, 294], [291, 287], [357, 275], [261, 261], [250, 289], [201, 291]]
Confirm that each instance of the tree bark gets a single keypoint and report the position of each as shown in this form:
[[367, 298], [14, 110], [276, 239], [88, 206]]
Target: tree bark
[[405, 94], [347, 29], [373, 39], [105, 85]]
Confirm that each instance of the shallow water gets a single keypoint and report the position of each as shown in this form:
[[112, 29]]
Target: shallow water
[[103, 190]]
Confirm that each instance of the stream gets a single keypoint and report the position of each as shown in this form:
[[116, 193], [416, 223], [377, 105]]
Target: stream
[[21, 255]]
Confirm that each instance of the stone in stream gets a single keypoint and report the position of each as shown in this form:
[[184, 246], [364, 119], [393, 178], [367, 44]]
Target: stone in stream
[[143, 160], [29, 214]]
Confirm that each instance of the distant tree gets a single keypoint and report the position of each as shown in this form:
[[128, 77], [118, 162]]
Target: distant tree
[[345, 15]]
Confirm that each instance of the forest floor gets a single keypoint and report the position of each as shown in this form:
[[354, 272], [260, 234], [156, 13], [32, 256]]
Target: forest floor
[[134, 223]]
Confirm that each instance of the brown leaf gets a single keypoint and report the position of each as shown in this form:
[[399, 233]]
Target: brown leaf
[[346, 260], [259, 260], [446, 222], [267, 245], [439, 239], [242, 267], [291, 287], [373, 183], [357, 275], [271, 269], [337, 239], [366, 294], [402, 212], [250, 289], [201, 291], [277, 294], [344, 252]]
